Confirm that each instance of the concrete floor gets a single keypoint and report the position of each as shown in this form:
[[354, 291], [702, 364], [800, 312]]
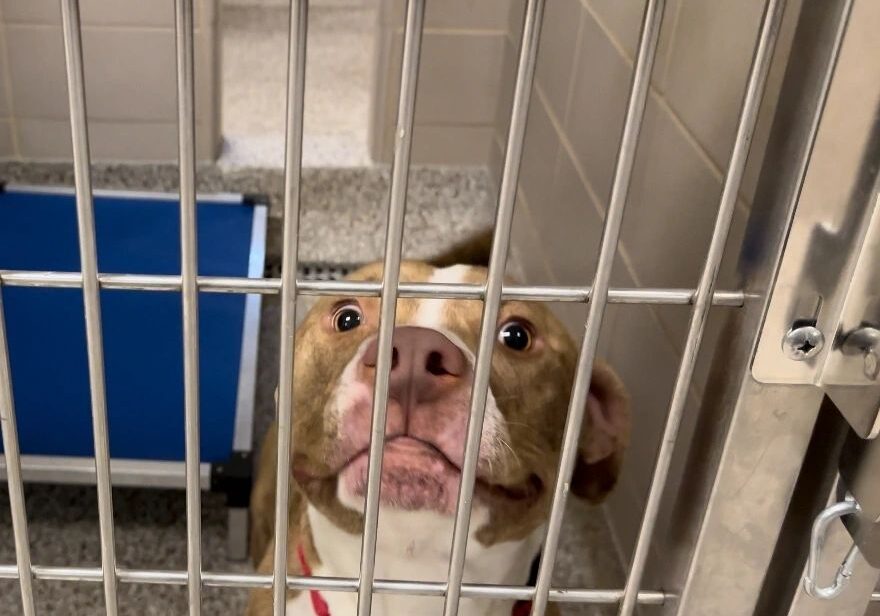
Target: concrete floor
[[343, 214]]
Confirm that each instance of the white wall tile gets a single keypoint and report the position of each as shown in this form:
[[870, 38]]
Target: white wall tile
[[623, 19], [672, 205], [540, 147], [526, 248], [458, 14], [130, 74], [5, 94], [557, 51], [708, 68], [459, 77], [595, 118], [152, 13], [49, 140], [452, 145], [7, 145]]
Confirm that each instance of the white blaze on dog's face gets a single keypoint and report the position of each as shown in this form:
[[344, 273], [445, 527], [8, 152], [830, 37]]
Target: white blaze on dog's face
[[429, 401]]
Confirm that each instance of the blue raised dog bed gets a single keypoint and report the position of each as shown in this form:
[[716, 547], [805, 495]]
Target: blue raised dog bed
[[137, 233]]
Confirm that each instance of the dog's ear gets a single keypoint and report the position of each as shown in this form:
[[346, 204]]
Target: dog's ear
[[604, 436], [476, 250]]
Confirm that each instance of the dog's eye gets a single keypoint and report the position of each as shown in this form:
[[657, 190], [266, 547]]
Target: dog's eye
[[347, 318], [516, 336]]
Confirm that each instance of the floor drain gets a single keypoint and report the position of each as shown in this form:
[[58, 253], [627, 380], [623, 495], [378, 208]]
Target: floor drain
[[315, 270], [324, 271]]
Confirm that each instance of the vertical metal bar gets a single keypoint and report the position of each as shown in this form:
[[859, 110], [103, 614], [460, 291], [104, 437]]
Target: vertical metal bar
[[296, 81], [9, 432], [412, 44], [186, 130], [748, 118], [492, 303], [85, 212], [626, 156]]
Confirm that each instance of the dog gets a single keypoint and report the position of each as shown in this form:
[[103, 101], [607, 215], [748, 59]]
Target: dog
[[435, 340]]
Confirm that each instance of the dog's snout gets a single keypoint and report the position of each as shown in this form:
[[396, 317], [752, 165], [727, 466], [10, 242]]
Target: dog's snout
[[419, 349], [424, 362]]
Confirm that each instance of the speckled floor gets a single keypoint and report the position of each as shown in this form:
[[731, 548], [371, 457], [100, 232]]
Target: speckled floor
[[342, 220]]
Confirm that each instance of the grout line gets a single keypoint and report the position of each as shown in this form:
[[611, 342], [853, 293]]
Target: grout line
[[609, 33], [622, 250], [582, 175], [578, 50], [525, 209], [659, 96], [673, 33], [543, 253]]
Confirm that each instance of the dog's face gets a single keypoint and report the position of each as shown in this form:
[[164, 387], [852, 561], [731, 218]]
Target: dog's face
[[429, 400]]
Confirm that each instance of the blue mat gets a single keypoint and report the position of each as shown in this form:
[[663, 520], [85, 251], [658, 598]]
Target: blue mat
[[142, 329]]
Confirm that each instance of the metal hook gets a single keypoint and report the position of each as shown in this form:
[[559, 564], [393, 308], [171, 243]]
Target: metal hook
[[817, 540]]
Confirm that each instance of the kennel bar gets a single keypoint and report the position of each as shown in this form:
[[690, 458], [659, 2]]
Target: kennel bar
[[695, 591], [629, 141], [341, 288], [773, 444], [522, 91], [409, 69], [748, 119], [76, 91], [186, 120], [9, 434], [331, 584], [296, 75]]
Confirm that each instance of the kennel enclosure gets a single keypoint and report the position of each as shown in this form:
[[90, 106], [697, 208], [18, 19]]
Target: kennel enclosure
[[799, 356]]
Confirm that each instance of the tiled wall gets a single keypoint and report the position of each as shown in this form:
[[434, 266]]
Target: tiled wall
[[128, 48], [582, 82], [459, 78]]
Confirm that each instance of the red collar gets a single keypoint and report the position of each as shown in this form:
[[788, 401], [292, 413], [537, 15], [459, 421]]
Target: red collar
[[320, 607], [318, 604]]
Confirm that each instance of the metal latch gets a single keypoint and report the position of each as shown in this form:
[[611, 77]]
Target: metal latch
[[825, 309], [858, 508], [860, 476], [817, 541], [825, 302]]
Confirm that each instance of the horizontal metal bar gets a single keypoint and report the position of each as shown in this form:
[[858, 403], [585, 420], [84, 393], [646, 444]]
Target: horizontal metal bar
[[272, 286], [123, 472], [255, 580], [172, 198]]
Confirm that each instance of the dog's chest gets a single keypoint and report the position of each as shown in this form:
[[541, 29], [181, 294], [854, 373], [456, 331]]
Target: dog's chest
[[415, 546]]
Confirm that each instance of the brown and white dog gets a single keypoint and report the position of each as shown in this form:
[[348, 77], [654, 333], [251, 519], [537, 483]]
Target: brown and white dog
[[435, 340]]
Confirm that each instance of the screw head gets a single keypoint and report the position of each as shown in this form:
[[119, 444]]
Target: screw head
[[803, 342]]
